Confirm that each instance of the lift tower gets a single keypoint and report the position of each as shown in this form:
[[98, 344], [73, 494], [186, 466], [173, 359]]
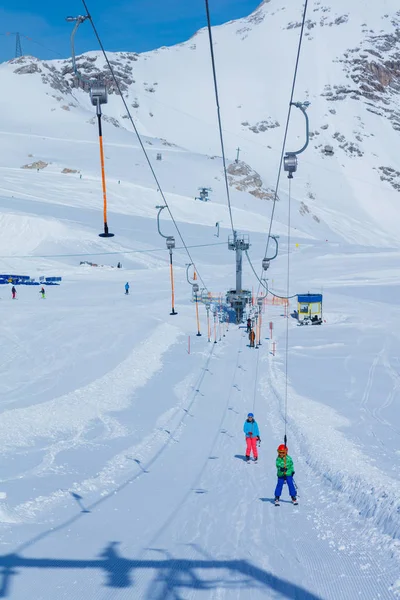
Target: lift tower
[[238, 298]]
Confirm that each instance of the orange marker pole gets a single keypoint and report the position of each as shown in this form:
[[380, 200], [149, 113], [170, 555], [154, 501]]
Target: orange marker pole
[[171, 272], [103, 179], [197, 317]]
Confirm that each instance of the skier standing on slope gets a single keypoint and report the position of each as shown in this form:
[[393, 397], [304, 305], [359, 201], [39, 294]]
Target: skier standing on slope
[[13, 292], [285, 472], [248, 325], [252, 337], [251, 430], [127, 288], [43, 292]]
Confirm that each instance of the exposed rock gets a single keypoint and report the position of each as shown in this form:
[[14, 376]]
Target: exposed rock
[[40, 164], [70, 171], [243, 178], [28, 69], [391, 176], [263, 126]]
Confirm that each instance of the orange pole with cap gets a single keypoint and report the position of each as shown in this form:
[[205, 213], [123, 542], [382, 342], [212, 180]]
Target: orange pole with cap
[[171, 272], [103, 180], [197, 316]]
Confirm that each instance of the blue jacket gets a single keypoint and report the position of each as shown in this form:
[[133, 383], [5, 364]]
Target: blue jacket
[[251, 428]]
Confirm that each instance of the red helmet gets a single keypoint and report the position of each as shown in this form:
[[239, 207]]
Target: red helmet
[[283, 448]]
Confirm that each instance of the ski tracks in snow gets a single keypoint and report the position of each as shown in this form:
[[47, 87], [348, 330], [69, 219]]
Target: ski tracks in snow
[[71, 416], [355, 511]]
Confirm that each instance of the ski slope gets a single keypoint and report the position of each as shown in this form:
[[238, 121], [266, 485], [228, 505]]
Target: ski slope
[[122, 454]]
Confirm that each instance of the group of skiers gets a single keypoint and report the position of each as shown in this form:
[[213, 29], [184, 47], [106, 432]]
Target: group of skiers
[[14, 293], [284, 462], [43, 291]]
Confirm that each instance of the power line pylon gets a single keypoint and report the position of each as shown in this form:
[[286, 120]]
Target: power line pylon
[[18, 47]]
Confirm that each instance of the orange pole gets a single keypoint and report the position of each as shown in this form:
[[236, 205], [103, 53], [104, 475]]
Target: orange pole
[[197, 316], [172, 285], [103, 180]]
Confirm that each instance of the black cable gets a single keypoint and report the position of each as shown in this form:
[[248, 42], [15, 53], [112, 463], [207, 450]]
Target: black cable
[[287, 124], [287, 318], [219, 113], [140, 140], [35, 42], [116, 252], [260, 281], [264, 283]]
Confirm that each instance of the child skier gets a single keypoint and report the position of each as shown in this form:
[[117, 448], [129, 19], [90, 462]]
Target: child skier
[[250, 428], [248, 325], [127, 288], [43, 292], [285, 472], [252, 337], [13, 292]]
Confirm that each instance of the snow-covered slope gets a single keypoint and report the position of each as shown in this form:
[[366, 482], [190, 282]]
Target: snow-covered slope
[[348, 71]]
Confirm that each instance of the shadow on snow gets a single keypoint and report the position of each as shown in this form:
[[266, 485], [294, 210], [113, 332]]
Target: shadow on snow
[[168, 575]]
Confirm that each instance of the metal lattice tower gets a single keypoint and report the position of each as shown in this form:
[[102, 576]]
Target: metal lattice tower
[[18, 47]]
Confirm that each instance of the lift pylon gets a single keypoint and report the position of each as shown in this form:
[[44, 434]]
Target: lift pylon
[[238, 297]]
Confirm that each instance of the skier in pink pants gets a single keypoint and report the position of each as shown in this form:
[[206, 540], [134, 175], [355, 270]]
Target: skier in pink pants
[[252, 433]]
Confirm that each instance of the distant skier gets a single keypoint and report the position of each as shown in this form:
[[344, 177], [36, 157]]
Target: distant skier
[[43, 293], [248, 325], [13, 292], [251, 430], [252, 337], [285, 472], [127, 288]]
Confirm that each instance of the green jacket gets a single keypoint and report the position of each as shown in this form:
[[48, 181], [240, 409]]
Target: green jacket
[[280, 464]]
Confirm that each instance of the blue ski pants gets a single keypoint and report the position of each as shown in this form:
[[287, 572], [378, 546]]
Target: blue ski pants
[[279, 486]]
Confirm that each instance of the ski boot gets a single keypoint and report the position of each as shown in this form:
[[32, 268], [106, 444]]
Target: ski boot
[[277, 503], [256, 459], [247, 458], [294, 500]]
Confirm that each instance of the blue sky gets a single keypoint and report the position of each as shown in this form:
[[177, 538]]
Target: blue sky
[[134, 25]]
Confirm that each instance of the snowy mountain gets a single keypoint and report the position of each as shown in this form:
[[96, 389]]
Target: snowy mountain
[[348, 71], [121, 429]]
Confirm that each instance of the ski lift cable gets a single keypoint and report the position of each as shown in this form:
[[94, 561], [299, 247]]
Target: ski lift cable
[[139, 138], [116, 252], [287, 317], [221, 135], [256, 382], [287, 124], [263, 283]]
